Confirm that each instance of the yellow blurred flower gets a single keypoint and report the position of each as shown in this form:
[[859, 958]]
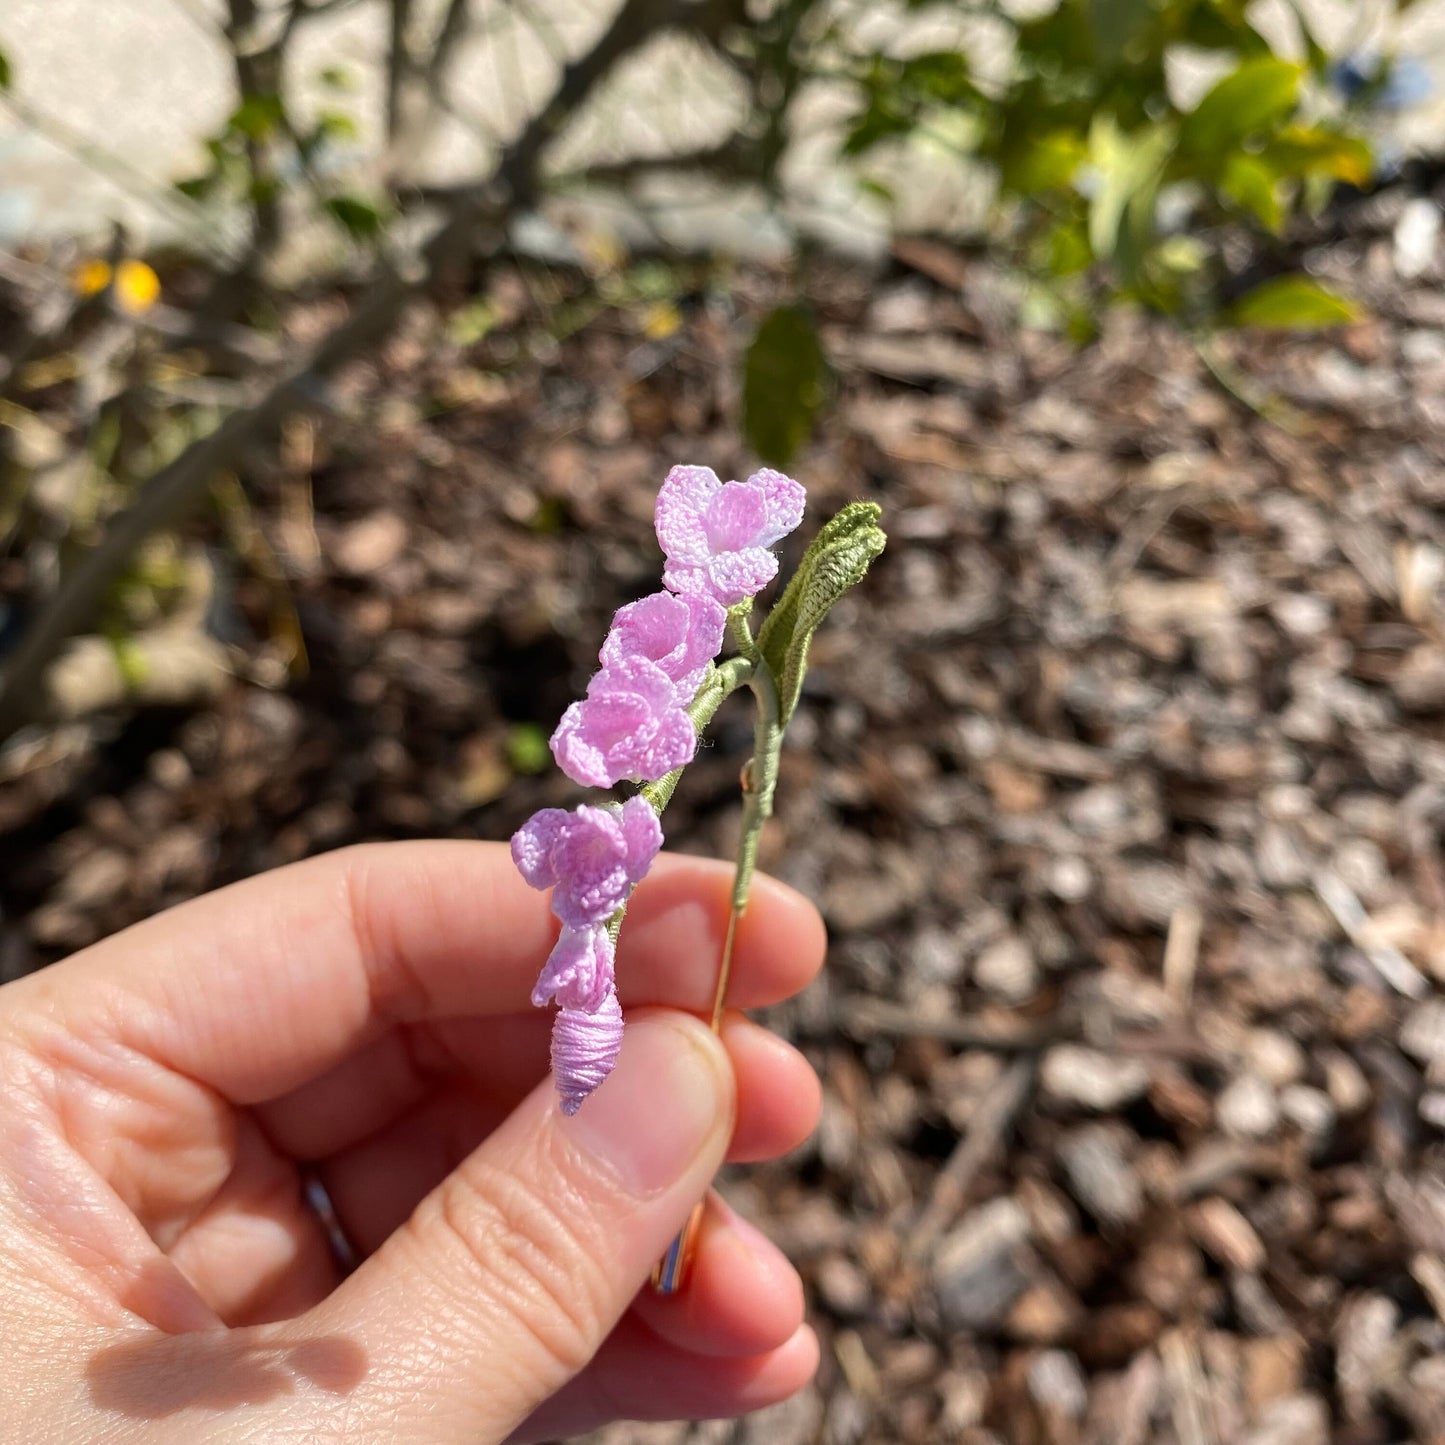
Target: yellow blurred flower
[[136, 288], [660, 320]]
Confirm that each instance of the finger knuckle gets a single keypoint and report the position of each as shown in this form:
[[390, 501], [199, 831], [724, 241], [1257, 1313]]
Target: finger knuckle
[[535, 1269]]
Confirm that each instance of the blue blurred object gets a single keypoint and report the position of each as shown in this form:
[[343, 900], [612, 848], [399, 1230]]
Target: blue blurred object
[[1383, 83]]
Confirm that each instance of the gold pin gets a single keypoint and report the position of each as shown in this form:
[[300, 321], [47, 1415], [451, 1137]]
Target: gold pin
[[670, 1273]]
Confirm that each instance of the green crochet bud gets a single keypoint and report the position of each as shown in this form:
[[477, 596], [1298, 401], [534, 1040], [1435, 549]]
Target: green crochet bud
[[837, 560]]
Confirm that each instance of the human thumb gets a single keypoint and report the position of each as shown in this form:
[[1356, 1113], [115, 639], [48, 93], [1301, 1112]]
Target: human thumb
[[512, 1272]]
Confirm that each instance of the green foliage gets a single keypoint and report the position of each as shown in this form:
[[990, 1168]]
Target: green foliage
[[260, 155], [1255, 98], [837, 560], [527, 749], [1292, 303], [7, 75], [785, 383], [1096, 162], [357, 216]]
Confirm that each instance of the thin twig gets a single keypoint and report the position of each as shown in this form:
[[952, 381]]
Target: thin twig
[[450, 34], [864, 1017], [729, 157], [981, 1140], [1245, 390], [1181, 952]]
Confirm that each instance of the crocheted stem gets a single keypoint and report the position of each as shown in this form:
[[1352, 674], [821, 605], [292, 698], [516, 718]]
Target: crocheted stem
[[760, 777]]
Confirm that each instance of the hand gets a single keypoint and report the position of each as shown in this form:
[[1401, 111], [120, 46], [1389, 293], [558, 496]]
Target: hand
[[364, 1016]]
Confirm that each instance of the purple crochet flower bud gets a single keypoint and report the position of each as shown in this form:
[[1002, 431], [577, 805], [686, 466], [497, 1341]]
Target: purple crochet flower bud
[[578, 973], [590, 857], [716, 535], [681, 635], [584, 1049], [630, 725]]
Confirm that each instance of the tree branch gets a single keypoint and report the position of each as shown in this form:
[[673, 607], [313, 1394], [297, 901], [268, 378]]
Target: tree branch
[[400, 68], [481, 212], [450, 33]]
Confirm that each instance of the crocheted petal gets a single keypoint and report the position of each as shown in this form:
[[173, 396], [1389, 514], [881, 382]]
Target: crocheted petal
[[643, 832], [783, 501], [736, 518], [706, 622], [591, 864], [576, 750], [584, 1049], [686, 580], [738, 575], [533, 844], [671, 746], [677, 515], [654, 627], [649, 688], [579, 971]]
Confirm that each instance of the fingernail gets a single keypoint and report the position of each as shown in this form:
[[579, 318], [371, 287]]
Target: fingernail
[[665, 1099]]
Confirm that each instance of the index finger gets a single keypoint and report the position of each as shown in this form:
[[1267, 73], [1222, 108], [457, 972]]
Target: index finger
[[256, 988]]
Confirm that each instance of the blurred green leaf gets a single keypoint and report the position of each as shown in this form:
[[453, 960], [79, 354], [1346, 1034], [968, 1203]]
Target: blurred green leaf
[[654, 281], [1252, 184], [875, 124], [940, 76], [527, 749], [7, 75], [1058, 41], [547, 520], [1128, 169], [1115, 24], [1043, 163], [358, 217], [901, 95], [469, 323], [1307, 151], [1181, 255], [257, 117], [1081, 325], [130, 658], [884, 113], [1292, 303], [785, 376], [1217, 25], [337, 125], [1257, 96], [1066, 251], [197, 187]]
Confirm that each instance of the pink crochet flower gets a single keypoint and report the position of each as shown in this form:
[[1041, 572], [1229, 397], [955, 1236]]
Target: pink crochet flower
[[716, 535], [630, 725], [680, 634], [590, 857], [578, 973], [584, 1049]]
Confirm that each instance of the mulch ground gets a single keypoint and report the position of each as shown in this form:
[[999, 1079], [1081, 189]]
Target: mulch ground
[[1121, 786]]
